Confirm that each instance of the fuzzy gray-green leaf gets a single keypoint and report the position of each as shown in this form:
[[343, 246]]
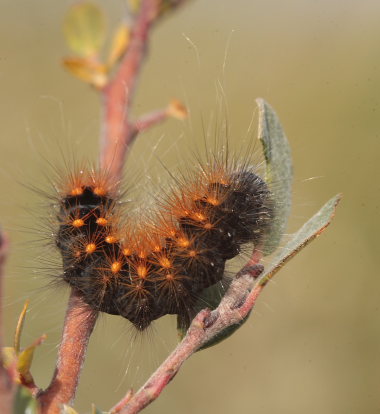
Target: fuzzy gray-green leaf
[[279, 171], [307, 233]]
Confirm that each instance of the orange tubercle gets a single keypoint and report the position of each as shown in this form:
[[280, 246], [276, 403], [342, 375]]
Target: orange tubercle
[[142, 272], [111, 239], [199, 216], [116, 267], [78, 223], [99, 191], [183, 242], [102, 221], [165, 262], [76, 191], [213, 201], [90, 248], [127, 251]]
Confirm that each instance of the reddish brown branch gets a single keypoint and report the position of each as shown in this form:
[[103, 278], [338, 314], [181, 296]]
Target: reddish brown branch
[[79, 323], [157, 382], [7, 386], [118, 133], [234, 307], [151, 119]]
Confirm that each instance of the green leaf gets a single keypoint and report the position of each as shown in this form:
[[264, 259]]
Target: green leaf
[[24, 403], [308, 232], [25, 359], [279, 171], [119, 44], [85, 29], [221, 336]]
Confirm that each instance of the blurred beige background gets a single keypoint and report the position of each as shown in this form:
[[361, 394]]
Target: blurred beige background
[[313, 342]]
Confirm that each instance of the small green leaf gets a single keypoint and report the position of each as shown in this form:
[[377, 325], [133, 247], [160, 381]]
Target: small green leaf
[[25, 359], [85, 28], [307, 233], [119, 44], [221, 336], [24, 403], [279, 174]]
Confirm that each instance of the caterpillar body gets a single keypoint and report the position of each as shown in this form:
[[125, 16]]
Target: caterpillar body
[[162, 267]]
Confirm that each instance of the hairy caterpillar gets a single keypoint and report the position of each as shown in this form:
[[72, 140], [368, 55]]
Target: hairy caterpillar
[[145, 271]]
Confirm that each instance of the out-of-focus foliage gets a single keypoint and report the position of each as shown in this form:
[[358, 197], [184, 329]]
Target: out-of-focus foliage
[[85, 32]]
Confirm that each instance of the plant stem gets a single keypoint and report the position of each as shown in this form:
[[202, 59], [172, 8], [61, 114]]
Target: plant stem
[[78, 326], [7, 386]]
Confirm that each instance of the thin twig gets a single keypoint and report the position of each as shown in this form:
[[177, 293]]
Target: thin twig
[[79, 323], [157, 382], [151, 119], [7, 386]]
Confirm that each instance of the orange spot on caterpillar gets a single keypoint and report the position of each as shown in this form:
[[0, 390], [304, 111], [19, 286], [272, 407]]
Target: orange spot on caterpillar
[[141, 271], [77, 223], [90, 248], [213, 201], [99, 191], [111, 239], [76, 191], [102, 221], [183, 242], [165, 262], [127, 251], [142, 254], [208, 226], [193, 253], [157, 248], [116, 267], [199, 216]]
